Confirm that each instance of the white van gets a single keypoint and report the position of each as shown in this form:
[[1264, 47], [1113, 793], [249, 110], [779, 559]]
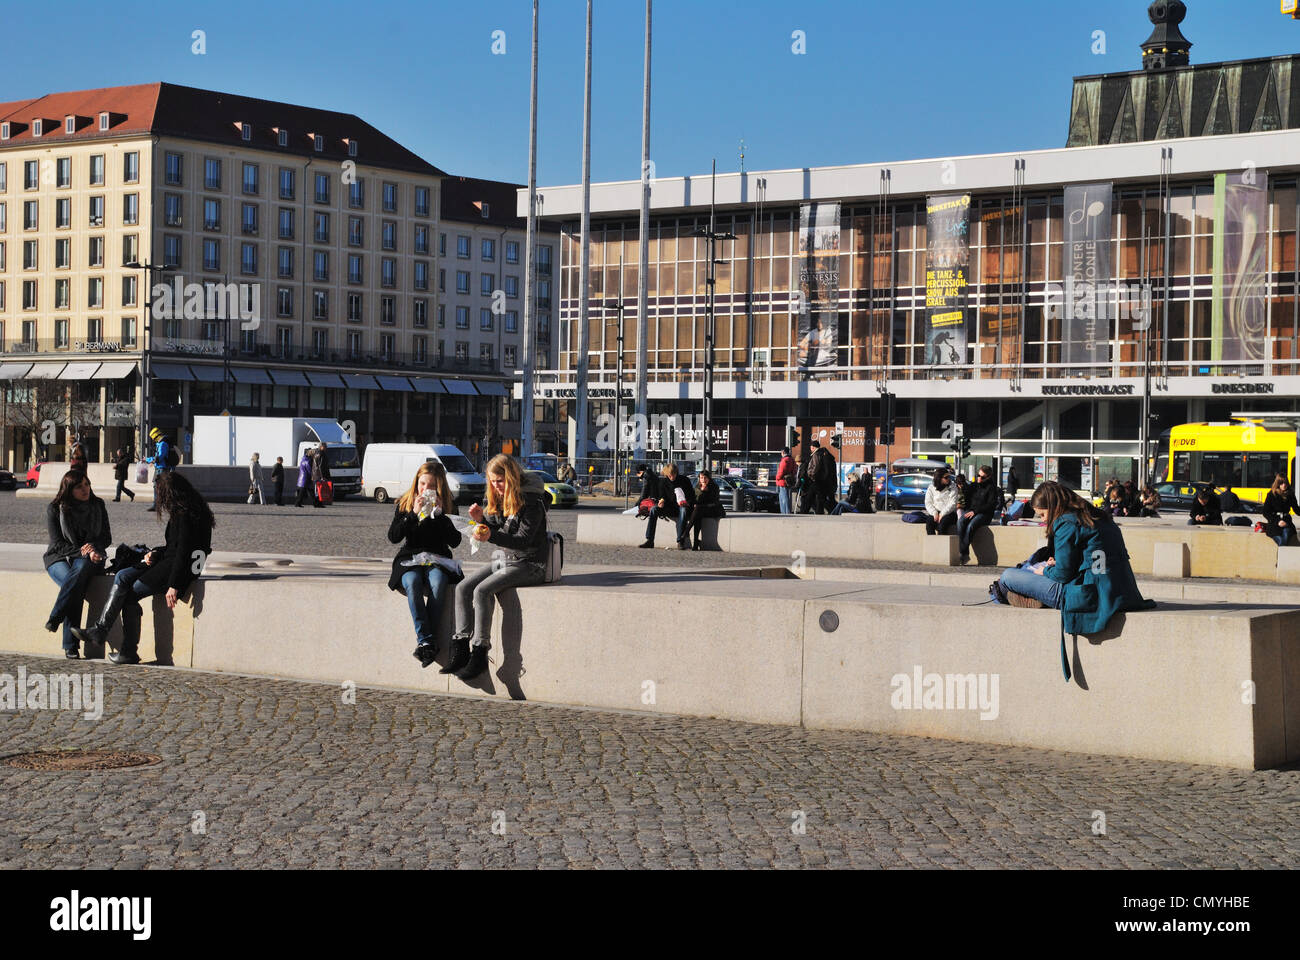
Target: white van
[[388, 469]]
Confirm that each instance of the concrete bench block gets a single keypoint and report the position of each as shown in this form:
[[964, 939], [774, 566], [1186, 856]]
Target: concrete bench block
[[939, 551], [1288, 565], [1171, 560]]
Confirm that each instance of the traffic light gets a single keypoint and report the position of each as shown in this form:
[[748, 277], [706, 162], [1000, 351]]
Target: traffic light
[[963, 446], [792, 438], [886, 419], [835, 441]]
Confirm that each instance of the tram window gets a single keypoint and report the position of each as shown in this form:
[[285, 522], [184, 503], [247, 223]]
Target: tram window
[[1182, 467], [1262, 467], [1219, 469]]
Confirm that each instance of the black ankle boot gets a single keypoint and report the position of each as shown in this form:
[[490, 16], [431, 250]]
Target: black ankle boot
[[425, 652], [478, 663], [458, 654], [98, 633]]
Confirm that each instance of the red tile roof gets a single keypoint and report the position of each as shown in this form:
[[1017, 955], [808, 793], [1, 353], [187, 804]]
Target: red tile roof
[[167, 109]]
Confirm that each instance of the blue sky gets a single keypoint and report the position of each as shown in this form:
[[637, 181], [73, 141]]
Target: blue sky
[[878, 81]]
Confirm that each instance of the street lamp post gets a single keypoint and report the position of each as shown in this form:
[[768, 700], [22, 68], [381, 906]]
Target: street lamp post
[[711, 237], [618, 399], [145, 366]]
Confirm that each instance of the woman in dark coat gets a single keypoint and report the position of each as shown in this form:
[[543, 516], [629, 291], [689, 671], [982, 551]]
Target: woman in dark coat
[[121, 465], [1279, 504], [708, 506], [423, 528], [77, 460], [171, 568], [277, 481], [76, 522]]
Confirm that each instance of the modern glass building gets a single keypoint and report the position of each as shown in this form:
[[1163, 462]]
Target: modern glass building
[[1033, 297]]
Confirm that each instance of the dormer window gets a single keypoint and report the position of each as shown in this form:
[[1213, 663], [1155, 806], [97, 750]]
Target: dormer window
[[4, 130], [69, 124], [283, 136], [352, 148], [103, 121], [36, 128], [318, 142], [486, 209], [246, 131]]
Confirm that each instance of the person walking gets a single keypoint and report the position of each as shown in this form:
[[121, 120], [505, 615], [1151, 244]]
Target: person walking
[[676, 500], [515, 520], [708, 506], [320, 474], [1013, 482], [78, 534], [121, 467], [824, 473], [1205, 510], [649, 494], [170, 569], [984, 499], [164, 460], [422, 525], [277, 481], [255, 480], [305, 487], [1279, 504], [787, 475], [805, 496], [941, 505]]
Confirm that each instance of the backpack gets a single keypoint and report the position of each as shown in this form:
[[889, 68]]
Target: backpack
[[173, 458], [554, 557], [1237, 522], [914, 516]]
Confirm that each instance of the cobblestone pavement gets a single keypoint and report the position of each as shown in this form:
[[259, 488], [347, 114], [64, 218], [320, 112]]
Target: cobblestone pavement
[[285, 774]]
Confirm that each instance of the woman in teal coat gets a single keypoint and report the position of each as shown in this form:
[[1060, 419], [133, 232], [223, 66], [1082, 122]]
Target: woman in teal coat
[[1087, 577]]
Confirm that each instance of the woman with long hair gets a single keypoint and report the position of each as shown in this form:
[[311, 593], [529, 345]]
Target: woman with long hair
[[77, 458], [1087, 574], [172, 567], [76, 522], [708, 505], [1279, 504], [422, 525], [515, 520]]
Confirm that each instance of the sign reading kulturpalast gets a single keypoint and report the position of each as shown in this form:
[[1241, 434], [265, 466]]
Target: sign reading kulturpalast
[[1088, 390]]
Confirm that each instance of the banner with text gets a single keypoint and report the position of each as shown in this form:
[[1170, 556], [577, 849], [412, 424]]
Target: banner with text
[[947, 278], [1085, 328], [1239, 314], [819, 283]]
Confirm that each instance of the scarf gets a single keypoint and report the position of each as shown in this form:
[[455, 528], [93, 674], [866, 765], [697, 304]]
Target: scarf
[[81, 521]]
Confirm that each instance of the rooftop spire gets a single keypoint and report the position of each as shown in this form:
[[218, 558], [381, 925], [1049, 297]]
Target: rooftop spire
[[1166, 47]]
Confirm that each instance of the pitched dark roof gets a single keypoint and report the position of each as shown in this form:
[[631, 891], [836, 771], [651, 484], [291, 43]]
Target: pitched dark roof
[[168, 109], [463, 197]]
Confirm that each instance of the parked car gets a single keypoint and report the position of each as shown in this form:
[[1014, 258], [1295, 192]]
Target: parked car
[[8, 481], [34, 474], [1178, 495], [905, 491], [739, 495], [558, 493]]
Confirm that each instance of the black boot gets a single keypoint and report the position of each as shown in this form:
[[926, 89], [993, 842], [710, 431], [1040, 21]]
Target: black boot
[[478, 663], [98, 632], [458, 653], [131, 615], [425, 652]]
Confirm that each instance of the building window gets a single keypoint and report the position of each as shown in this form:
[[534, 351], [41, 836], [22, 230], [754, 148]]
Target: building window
[[390, 198], [387, 310], [130, 249], [62, 254], [63, 174], [356, 231], [284, 341], [31, 175], [487, 283], [354, 345], [421, 275], [128, 331], [422, 238], [462, 281], [4, 217], [246, 132], [30, 255], [63, 212], [62, 293], [284, 301], [512, 286], [489, 251], [508, 358], [321, 266], [282, 137], [442, 244], [211, 254], [442, 315], [354, 268], [387, 347], [420, 312], [388, 272], [96, 218], [462, 318], [131, 167], [286, 183], [421, 201], [544, 293], [129, 291], [95, 256], [286, 223], [173, 173], [95, 292], [484, 318], [352, 148], [171, 250], [31, 214], [97, 170], [543, 326], [211, 329], [462, 352], [322, 231], [61, 333], [318, 142], [544, 261], [29, 295], [355, 308], [442, 281], [248, 259], [251, 176], [211, 173], [4, 176], [485, 355], [320, 343], [357, 194], [512, 321], [419, 351], [322, 188], [512, 251], [388, 235], [248, 222], [285, 260], [211, 214], [320, 305], [462, 247], [172, 210]]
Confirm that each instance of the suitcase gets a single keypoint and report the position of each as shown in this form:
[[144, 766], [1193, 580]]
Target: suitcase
[[554, 557], [325, 491]]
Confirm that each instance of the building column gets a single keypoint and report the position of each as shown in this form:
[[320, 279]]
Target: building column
[[103, 422]]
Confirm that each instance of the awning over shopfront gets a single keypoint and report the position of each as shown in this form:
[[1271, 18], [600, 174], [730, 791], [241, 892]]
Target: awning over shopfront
[[325, 379], [360, 381], [208, 374], [79, 371], [461, 388], [427, 385], [490, 388], [14, 371], [250, 375], [395, 383], [289, 378], [114, 370], [161, 370], [45, 371]]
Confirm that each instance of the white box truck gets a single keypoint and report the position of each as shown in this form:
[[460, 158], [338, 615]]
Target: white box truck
[[232, 441], [389, 468]]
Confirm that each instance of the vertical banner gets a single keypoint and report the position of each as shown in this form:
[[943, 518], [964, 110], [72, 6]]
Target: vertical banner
[[819, 283], [947, 278], [1239, 315], [1085, 328]]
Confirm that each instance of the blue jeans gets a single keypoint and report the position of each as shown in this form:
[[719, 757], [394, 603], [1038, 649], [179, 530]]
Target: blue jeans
[[419, 582], [966, 529], [73, 577], [783, 495], [1041, 587], [129, 579], [843, 507]]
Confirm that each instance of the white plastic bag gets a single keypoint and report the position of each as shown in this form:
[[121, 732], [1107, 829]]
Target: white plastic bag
[[681, 496]]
